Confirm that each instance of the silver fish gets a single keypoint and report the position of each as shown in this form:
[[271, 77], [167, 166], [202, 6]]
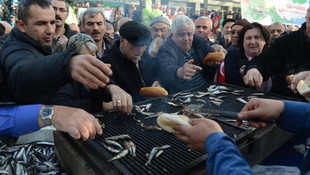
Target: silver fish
[[131, 147], [113, 143], [188, 100], [124, 136], [257, 94], [238, 91], [201, 100], [241, 100], [216, 103], [154, 152], [119, 155], [113, 150], [148, 106], [159, 153]]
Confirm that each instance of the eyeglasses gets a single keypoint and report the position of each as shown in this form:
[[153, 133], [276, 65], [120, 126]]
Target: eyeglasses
[[163, 30], [61, 10]]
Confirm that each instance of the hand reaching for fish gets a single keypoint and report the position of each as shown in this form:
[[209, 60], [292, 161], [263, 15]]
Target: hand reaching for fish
[[188, 70]]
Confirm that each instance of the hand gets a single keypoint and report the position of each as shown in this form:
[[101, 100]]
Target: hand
[[261, 110], [188, 70], [219, 48], [156, 84], [90, 71], [62, 41], [304, 75], [121, 100], [253, 78], [194, 136], [242, 70], [76, 122]]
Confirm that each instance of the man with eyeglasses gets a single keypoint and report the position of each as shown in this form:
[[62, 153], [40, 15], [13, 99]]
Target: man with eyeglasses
[[63, 31], [131, 70], [159, 27], [235, 31]]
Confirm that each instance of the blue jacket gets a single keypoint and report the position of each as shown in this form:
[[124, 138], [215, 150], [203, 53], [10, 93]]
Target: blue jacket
[[224, 156], [171, 58]]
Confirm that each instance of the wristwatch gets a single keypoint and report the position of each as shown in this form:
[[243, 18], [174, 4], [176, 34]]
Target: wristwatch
[[46, 114]]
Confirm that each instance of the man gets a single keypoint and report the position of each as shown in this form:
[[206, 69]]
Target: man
[[19, 120], [289, 54], [292, 28], [31, 74], [110, 30], [63, 31], [131, 71], [207, 135], [181, 56], [159, 27], [119, 25], [203, 27], [94, 25], [275, 30], [225, 40], [235, 31]]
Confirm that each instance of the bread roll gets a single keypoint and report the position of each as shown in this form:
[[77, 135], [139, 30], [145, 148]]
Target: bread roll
[[289, 78], [158, 42], [166, 120], [213, 57], [303, 87], [153, 92]]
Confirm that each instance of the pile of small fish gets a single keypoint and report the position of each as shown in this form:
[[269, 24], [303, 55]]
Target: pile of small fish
[[111, 144], [36, 158]]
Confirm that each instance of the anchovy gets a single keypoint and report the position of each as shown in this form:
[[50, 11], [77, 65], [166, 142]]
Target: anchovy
[[124, 136], [216, 103], [201, 100], [148, 106], [154, 152], [114, 143], [241, 100], [131, 147], [113, 150], [119, 155], [257, 94]]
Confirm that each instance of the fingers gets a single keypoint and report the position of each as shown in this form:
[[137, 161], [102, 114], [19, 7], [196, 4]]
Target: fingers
[[253, 78], [89, 71]]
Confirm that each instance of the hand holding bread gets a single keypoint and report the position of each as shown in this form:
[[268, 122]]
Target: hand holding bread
[[166, 121], [213, 58]]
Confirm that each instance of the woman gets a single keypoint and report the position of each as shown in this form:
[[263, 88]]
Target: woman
[[253, 40]]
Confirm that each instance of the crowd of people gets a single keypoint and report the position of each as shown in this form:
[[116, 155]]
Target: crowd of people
[[58, 76]]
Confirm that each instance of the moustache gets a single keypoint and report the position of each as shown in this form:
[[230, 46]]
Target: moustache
[[58, 18], [95, 32]]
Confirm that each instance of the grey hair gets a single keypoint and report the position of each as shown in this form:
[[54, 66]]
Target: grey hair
[[181, 21], [91, 12], [121, 21], [90, 45], [205, 18], [280, 24], [109, 26]]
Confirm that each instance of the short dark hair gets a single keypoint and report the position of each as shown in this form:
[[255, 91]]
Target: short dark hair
[[241, 22], [228, 20], [263, 31], [23, 12]]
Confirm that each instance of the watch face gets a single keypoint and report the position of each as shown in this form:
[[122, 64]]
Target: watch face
[[47, 112]]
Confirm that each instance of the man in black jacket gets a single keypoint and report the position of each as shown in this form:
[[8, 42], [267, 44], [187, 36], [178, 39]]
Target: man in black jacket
[[31, 74], [289, 54], [132, 67], [63, 31]]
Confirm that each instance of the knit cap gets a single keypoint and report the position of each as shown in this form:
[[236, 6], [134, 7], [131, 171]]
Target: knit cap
[[160, 19]]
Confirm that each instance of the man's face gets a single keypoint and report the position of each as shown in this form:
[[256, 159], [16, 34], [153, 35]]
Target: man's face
[[203, 27], [131, 51], [40, 26], [94, 27], [61, 12], [110, 33], [184, 38], [159, 29], [227, 29], [275, 31], [308, 24]]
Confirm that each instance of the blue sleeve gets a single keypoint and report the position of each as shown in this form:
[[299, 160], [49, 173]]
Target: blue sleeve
[[18, 120], [224, 157], [296, 117]]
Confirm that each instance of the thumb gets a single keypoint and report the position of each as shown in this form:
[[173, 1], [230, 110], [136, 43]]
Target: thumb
[[249, 115], [191, 61]]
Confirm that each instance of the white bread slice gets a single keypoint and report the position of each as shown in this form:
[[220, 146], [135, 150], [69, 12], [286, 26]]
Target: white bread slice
[[303, 87], [166, 120]]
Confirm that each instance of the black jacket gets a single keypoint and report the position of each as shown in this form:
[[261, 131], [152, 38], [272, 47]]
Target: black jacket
[[68, 33], [126, 74], [234, 60], [171, 58], [31, 74], [289, 54]]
